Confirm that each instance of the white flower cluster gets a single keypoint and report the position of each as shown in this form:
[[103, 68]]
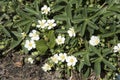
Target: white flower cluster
[[61, 39], [94, 40], [62, 57], [71, 60], [30, 44], [46, 24], [117, 48]]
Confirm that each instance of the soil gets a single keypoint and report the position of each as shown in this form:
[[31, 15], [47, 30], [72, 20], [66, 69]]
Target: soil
[[12, 67]]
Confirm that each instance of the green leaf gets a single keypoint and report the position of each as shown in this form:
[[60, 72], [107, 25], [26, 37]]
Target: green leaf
[[22, 23], [41, 46], [51, 37], [5, 31], [61, 1], [107, 34], [24, 15], [15, 43], [27, 27], [73, 2], [60, 31], [84, 12], [106, 62], [68, 11], [106, 51], [86, 59], [83, 29], [118, 31], [92, 25], [97, 68], [61, 17], [16, 33], [80, 66], [77, 19], [57, 8], [95, 50], [31, 11], [81, 53], [79, 3], [87, 73]]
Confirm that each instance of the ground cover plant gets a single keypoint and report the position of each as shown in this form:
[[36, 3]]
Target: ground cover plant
[[79, 36]]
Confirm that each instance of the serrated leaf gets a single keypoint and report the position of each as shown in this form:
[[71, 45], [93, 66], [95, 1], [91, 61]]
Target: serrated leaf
[[80, 53], [31, 11], [5, 30], [24, 15], [109, 64], [22, 23], [95, 50], [83, 29], [62, 17], [41, 46], [87, 73], [106, 51], [86, 59], [77, 20], [60, 31], [57, 8], [51, 37], [15, 43], [92, 25], [80, 66], [107, 34], [27, 27], [97, 68], [68, 11]]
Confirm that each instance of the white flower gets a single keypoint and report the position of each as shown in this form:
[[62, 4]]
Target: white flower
[[30, 44], [30, 60], [117, 48], [55, 58], [45, 9], [71, 60], [34, 35], [60, 40], [94, 40], [42, 24], [46, 67], [51, 23], [62, 57], [71, 32]]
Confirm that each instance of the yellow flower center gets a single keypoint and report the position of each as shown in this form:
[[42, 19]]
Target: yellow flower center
[[71, 60], [34, 35], [42, 24], [96, 41], [50, 24], [30, 44], [62, 57]]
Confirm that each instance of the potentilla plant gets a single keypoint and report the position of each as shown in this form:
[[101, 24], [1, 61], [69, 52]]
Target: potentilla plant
[[73, 35]]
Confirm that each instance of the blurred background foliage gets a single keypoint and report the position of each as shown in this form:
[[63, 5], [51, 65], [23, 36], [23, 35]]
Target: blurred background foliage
[[88, 17]]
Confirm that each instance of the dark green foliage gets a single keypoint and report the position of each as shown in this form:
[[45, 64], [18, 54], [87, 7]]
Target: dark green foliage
[[87, 17]]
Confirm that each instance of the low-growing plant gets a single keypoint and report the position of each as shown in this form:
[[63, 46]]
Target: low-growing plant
[[81, 35]]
